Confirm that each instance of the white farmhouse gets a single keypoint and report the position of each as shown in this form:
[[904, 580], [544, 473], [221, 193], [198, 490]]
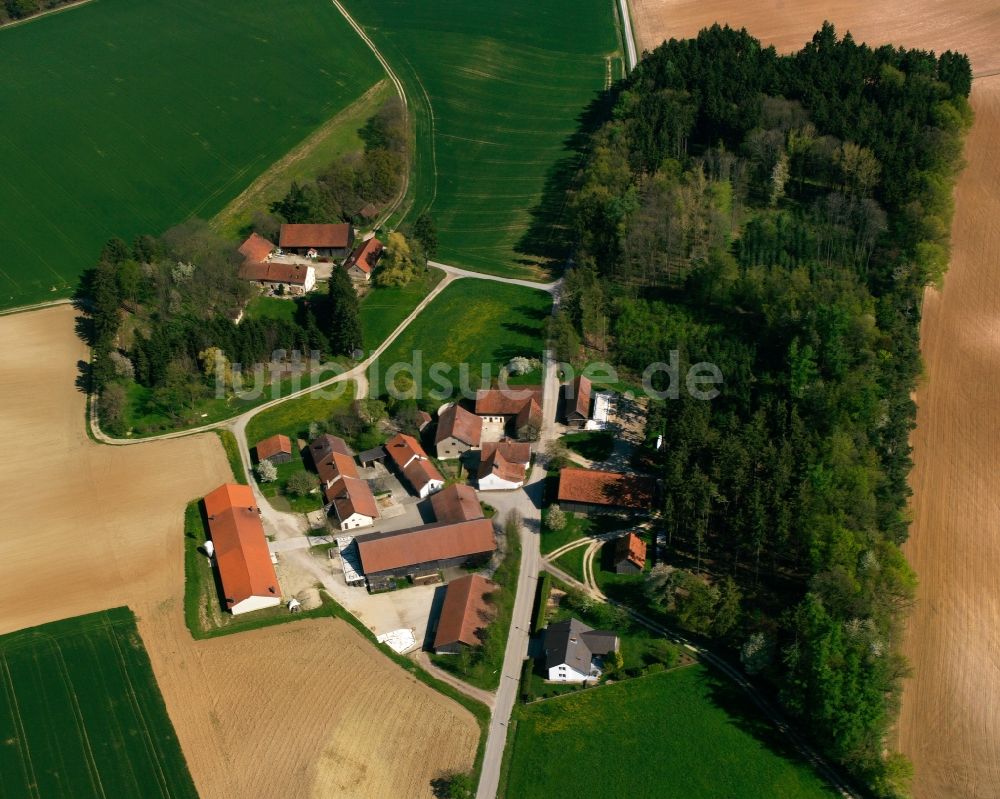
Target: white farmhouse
[[572, 649]]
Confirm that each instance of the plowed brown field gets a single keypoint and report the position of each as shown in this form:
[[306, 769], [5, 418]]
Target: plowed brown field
[[306, 709], [950, 720], [971, 26]]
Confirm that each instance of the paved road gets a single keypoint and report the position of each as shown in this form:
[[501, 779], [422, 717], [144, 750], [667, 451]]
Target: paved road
[[631, 59], [528, 502], [455, 271]]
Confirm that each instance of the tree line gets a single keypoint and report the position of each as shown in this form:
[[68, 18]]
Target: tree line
[[162, 315], [779, 216]]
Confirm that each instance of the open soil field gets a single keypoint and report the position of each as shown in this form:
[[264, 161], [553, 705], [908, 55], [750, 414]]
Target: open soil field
[[83, 710], [497, 89], [950, 720], [678, 734], [969, 26], [479, 323], [131, 117], [302, 709]]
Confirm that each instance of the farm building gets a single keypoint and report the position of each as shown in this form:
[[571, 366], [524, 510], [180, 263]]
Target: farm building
[[518, 408], [362, 262], [629, 554], [352, 500], [372, 456], [503, 465], [346, 494], [576, 399], [312, 241], [412, 462], [465, 612], [572, 649], [256, 249], [296, 278], [241, 553], [424, 550], [277, 449], [456, 503], [588, 490], [423, 419], [458, 431]]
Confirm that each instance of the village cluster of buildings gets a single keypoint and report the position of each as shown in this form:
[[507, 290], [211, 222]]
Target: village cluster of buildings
[[280, 267], [494, 435]]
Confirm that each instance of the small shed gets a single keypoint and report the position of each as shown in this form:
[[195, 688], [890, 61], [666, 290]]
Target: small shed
[[370, 456], [629, 554], [277, 449]]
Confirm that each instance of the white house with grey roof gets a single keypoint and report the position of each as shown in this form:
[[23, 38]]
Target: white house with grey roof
[[572, 649]]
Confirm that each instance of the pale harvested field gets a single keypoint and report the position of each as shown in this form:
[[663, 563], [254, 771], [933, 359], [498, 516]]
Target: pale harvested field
[[950, 720], [972, 26], [306, 709]]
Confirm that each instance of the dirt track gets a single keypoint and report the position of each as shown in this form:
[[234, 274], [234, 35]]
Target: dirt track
[[303, 709], [950, 720], [968, 25]]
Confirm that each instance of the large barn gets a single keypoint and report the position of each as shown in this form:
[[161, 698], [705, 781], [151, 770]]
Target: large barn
[[590, 490], [424, 550], [464, 614], [331, 241], [241, 553]]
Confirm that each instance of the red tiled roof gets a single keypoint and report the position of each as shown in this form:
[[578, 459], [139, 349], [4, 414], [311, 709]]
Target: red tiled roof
[[271, 272], [425, 419], [509, 449], [241, 552], [397, 550], [530, 414], [336, 236], [605, 488], [456, 422], [273, 445], [493, 462], [336, 465], [351, 495], [420, 472], [403, 448], [464, 612], [366, 256], [632, 548], [579, 402], [506, 402], [256, 248], [456, 503]]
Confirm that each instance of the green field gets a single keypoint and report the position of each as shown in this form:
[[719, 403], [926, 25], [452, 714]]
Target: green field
[[479, 323], [127, 118], [81, 714], [497, 88], [382, 309], [680, 734]]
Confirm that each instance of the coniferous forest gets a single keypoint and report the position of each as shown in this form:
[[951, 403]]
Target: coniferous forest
[[780, 216]]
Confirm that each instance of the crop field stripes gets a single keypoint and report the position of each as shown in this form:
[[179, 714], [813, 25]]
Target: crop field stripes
[[86, 720], [21, 738]]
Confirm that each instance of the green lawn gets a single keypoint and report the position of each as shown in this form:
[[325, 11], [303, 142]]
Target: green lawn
[[578, 526], [681, 733], [127, 118], [594, 446], [572, 562], [383, 309], [272, 308], [232, 448], [293, 416], [481, 324], [497, 89], [81, 713]]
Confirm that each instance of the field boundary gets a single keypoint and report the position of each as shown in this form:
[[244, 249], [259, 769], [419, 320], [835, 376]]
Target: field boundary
[[47, 13]]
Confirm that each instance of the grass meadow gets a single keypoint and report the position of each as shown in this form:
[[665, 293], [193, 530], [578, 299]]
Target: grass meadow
[[82, 714], [131, 117], [498, 89], [474, 322], [383, 309], [680, 733]]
